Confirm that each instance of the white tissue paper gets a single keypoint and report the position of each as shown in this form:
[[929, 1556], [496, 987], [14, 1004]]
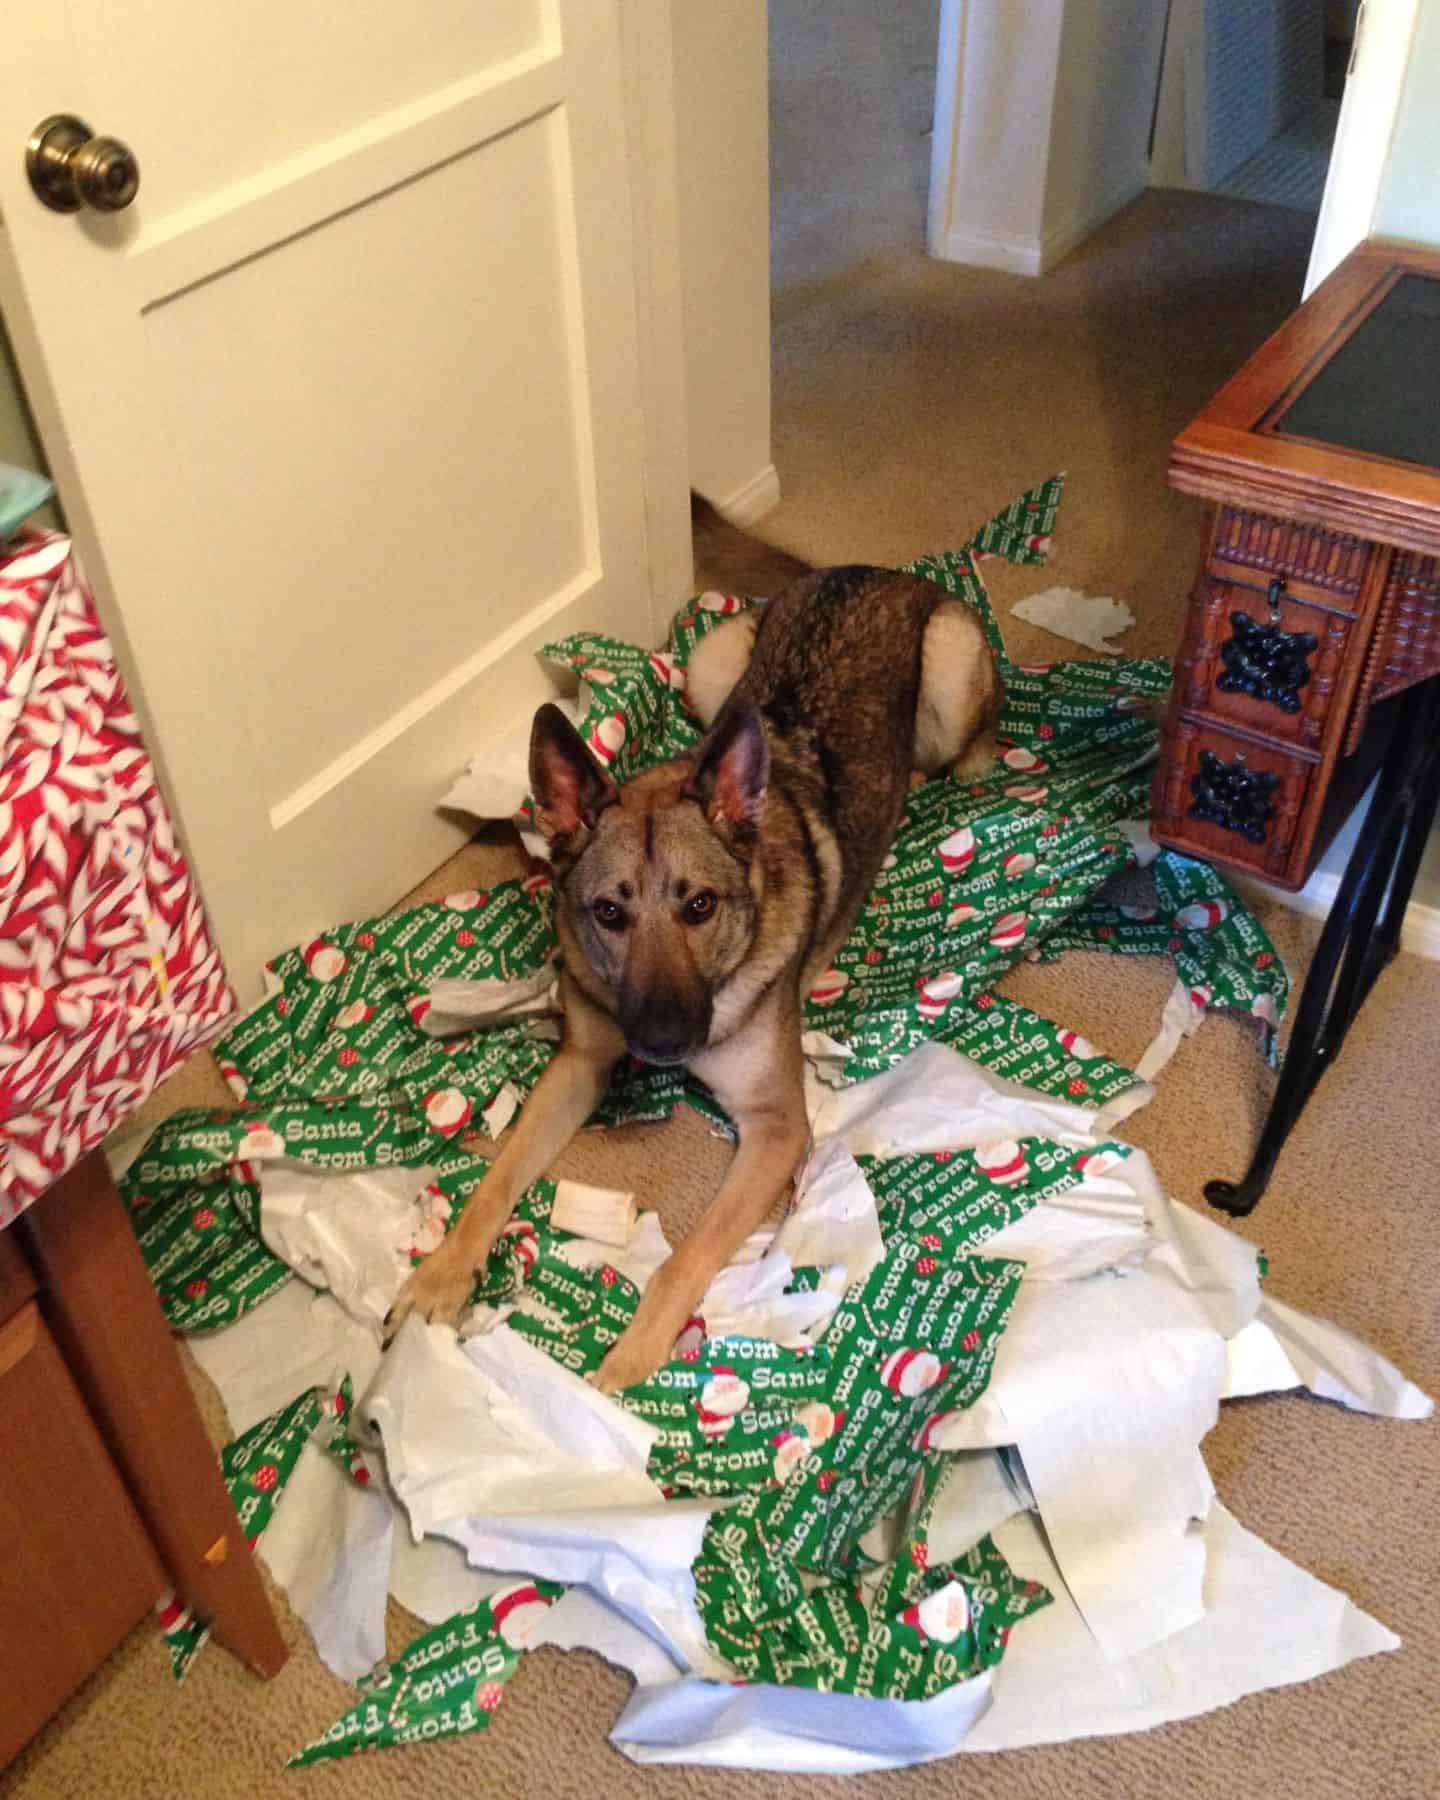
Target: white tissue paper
[[458, 1005], [347, 1233], [497, 781], [1089, 619]]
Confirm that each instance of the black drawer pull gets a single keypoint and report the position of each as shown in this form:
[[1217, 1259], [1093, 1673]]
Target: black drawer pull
[[1234, 797], [1264, 661]]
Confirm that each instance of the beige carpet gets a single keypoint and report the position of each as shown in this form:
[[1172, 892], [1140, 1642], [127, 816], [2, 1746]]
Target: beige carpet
[[911, 401]]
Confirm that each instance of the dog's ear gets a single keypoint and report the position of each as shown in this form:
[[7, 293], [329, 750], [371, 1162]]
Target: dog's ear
[[569, 786], [732, 768]]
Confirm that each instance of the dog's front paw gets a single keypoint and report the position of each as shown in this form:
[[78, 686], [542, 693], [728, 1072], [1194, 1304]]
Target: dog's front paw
[[438, 1290], [633, 1359]]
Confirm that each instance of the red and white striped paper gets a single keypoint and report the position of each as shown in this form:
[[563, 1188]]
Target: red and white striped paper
[[108, 973]]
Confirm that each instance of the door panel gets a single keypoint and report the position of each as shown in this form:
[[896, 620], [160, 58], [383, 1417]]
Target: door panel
[[345, 409]]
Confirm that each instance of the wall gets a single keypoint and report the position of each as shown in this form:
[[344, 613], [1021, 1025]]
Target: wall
[[1408, 203], [994, 92], [17, 440], [722, 142], [1104, 102], [1042, 124], [849, 157]]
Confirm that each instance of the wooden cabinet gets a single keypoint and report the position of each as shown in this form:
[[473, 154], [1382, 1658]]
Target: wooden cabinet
[[78, 1570], [1318, 596], [110, 1491]]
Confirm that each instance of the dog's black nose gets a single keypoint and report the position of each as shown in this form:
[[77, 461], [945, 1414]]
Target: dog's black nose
[[662, 1051]]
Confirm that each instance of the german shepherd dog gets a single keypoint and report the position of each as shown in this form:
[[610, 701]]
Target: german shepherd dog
[[697, 904]]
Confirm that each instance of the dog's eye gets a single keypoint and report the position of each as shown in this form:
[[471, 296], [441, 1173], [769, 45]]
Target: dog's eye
[[699, 908], [608, 915]]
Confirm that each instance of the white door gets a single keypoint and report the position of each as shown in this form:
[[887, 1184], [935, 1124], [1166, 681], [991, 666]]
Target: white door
[[345, 408], [1379, 63]]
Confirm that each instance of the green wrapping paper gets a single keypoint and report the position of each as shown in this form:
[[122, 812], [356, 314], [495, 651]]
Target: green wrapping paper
[[448, 1682]]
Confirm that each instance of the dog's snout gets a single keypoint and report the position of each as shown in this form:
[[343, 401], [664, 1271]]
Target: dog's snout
[[661, 1031]]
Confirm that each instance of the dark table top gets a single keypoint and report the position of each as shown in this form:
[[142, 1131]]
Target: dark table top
[[1380, 391]]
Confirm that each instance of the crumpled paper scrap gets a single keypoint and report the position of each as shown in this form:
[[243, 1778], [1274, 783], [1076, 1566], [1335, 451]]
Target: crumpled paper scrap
[[1088, 619]]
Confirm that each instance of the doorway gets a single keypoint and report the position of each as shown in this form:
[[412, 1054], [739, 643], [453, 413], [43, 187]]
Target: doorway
[[1249, 97]]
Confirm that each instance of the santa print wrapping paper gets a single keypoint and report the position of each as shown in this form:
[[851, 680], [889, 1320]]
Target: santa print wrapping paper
[[448, 1682], [108, 973]]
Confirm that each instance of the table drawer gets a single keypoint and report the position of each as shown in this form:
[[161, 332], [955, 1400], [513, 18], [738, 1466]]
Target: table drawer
[[1262, 659], [1332, 566], [1232, 799]]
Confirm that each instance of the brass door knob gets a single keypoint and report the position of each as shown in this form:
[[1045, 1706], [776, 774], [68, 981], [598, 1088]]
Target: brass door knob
[[69, 167]]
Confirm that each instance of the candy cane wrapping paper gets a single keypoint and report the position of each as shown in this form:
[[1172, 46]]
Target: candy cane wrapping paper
[[109, 976]]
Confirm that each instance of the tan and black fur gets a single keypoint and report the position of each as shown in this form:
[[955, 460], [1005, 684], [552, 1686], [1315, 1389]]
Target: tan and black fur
[[697, 904]]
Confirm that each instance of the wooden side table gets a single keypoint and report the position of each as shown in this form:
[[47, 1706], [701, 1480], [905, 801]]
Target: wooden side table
[[1311, 655]]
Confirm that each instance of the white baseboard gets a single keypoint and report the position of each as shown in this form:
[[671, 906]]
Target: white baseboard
[[753, 499], [983, 250], [1420, 933], [1032, 255]]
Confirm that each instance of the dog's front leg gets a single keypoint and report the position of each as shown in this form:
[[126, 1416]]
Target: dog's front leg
[[760, 1084], [564, 1097]]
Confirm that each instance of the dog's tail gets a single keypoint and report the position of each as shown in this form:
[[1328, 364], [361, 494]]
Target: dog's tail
[[735, 562]]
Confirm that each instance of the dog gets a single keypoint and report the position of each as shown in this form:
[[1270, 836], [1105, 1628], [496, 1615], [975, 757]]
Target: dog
[[697, 904]]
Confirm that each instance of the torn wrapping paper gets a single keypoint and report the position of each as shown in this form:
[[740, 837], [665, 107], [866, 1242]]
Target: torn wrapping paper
[[1281, 1347], [1088, 619], [492, 1426], [827, 1499], [298, 1340], [257, 1468], [1223, 957], [449, 1681], [331, 1548], [781, 1469], [1266, 1624]]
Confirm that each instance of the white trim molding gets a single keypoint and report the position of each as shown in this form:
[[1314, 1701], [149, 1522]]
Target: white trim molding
[[1420, 933], [753, 499]]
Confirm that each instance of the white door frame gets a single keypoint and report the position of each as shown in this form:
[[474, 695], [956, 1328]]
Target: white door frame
[[647, 46]]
